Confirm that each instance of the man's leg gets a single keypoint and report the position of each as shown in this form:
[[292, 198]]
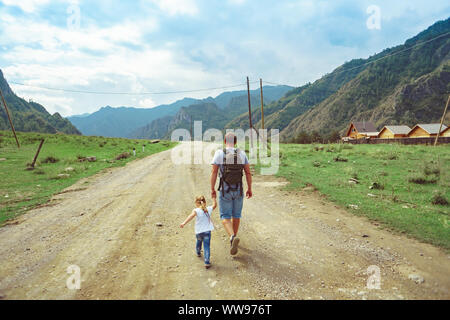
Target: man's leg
[[226, 211], [228, 225], [236, 222], [238, 203]]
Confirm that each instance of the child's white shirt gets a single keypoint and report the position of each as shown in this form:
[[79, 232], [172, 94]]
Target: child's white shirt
[[203, 222]]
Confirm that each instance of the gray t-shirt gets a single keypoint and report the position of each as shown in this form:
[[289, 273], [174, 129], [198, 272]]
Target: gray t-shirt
[[219, 159]]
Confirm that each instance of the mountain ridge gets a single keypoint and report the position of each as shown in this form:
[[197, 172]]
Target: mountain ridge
[[30, 116]]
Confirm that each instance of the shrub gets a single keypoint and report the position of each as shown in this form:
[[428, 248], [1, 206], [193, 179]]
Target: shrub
[[39, 171], [123, 156], [377, 186], [439, 199], [392, 156], [421, 180], [50, 159], [431, 168], [339, 158]]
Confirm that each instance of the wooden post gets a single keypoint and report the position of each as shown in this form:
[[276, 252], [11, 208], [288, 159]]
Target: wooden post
[[9, 118], [262, 105], [37, 153], [442, 121], [250, 112]]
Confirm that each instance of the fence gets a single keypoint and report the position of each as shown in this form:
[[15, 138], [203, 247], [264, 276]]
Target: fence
[[427, 141]]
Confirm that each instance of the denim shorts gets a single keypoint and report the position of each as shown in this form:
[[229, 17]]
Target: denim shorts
[[230, 204]]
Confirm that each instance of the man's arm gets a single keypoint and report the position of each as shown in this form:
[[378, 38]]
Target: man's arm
[[214, 171], [248, 177]]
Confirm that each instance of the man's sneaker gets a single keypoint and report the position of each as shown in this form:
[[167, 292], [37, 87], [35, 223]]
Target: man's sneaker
[[207, 265], [234, 245], [198, 254]]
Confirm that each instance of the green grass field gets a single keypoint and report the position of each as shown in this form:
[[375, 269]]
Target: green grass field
[[21, 190], [405, 181]]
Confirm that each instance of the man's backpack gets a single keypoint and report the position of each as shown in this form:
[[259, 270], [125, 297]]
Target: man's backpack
[[232, 171]]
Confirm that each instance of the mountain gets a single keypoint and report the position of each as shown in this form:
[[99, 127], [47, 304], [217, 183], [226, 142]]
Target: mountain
[[137, 122], [30, 116], [121, 122], [407, 84], [214, 112]]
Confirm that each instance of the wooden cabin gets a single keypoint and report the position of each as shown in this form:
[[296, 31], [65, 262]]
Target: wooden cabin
[[391, 132], [359, 130], [426, 130], [445, 132]]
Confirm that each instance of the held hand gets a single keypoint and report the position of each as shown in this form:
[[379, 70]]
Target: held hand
[[213, 194], [249, 194], [182, 225]]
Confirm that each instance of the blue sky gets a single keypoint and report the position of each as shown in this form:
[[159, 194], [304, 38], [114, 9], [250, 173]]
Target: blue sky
[[169, 45]]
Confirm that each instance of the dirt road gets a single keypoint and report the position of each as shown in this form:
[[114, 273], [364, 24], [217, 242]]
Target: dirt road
[[293, 245]]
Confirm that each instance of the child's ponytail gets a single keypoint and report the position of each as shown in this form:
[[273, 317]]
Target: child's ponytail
[[202, 202]]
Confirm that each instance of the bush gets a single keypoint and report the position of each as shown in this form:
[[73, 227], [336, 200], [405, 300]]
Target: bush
[[392, 156], [439, 199], [431, 168], [123, 156], [421, 180], [39, 171], [377, 186], [50, 159], [339, 158]]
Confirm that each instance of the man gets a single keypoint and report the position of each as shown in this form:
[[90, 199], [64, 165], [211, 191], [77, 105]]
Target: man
[[231, 198]]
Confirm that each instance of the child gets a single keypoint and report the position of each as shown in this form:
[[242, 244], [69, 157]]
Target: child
[[203, 226]]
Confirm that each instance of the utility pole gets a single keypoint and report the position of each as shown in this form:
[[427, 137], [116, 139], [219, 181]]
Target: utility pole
[[250, 113], [9, 118], [37, 154], [262, 104], [442, 121]]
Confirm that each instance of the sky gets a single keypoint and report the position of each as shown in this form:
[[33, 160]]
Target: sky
[[175, 45]]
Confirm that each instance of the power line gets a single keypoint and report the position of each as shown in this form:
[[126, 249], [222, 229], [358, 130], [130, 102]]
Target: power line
[[376, 60], [128, 93]]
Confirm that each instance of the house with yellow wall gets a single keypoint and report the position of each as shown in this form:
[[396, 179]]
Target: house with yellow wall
[[391, 132], [426, 130], [359, 130], [445, 132]]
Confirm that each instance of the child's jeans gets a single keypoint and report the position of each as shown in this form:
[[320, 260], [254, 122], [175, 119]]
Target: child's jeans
[[205, 238]]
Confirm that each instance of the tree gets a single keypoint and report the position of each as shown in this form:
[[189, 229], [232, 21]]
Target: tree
[[303, 138], [316, 137], [334, 137]]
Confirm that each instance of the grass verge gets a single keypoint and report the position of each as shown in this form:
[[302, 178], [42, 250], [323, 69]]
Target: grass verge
[[61, 163], [405, 188]]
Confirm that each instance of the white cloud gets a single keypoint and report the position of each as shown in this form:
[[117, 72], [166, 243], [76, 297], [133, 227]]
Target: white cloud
[[236, 2], [52, 103], [25, 5], [175, 7], [147, 103]]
